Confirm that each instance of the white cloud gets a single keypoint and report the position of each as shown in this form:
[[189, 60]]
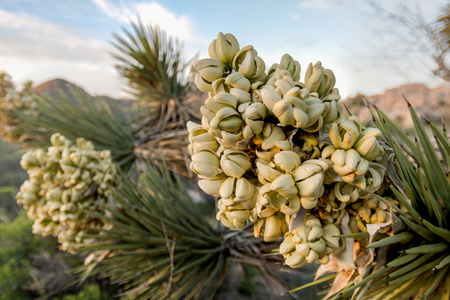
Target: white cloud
[[32, 48], [151, 12], [112, 11], [39, 50], [36, 49], [318, 4], [179, 26]]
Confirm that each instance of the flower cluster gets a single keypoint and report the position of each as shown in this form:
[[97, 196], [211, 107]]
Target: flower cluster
[[273, 148], [67, 184]]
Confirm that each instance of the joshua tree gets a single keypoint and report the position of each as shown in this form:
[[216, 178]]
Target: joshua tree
[[298, 180]]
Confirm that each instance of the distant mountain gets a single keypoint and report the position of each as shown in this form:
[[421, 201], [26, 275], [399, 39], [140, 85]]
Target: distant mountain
[[54, 88], [434, 103], [57, 86]]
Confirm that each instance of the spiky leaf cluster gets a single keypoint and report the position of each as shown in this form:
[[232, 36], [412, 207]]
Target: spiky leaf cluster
[[152, 64], [161, 245], [279, 152], [418, 265], [67, 183], [75, 115], [406, 257]]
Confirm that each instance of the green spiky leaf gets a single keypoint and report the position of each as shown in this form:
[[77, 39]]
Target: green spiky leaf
[[151, 62], [160, 243], [419, 181], [76, 115]]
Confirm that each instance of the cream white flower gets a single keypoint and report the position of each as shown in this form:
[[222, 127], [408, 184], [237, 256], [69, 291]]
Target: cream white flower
[[65, 183], [224, 48], [205, 71]]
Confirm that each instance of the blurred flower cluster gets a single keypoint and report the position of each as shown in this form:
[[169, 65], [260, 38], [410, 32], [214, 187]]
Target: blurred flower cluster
[[280, 153], [66, 185]]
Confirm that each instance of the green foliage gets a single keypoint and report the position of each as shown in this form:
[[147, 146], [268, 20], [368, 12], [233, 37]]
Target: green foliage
[[74, 116], [15, 238], [422, 178], [11, 178], [414, 262], [151, 62], [14, 276], [31, 266], [89, 292], [419, 179], [160, 244], [18, 243]]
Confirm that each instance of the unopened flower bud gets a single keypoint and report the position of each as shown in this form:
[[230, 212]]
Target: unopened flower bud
[[269, 97], [211, 186], [206, 163], [311, 186], [274, 137], [286, 161], [235, 219], [224, 48], [368, 145], [227, 119], [238, 190], [239, 81], [204, 72], [332, 111], [291, 65], [344, 134], [253, 115], [285, 185], [28, 161], [318, 79], [235, 163], [247, 62], [53, 195], [274, 227], [288, 244]]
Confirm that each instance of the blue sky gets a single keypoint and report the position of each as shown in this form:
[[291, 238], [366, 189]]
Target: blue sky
[[46, 39]]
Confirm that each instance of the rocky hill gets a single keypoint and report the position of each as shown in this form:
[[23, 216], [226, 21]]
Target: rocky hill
[[434, 103], [53, 86], [56, 87]]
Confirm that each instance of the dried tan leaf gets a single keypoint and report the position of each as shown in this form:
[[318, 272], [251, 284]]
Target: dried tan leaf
[[341, 263], [373, 229], [363, 259], [342, 260], [340, 282]]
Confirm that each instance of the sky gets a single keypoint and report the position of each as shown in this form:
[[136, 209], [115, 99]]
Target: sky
[[42, 40]]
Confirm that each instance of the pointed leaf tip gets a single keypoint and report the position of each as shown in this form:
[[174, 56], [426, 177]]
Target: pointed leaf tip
[[407, 102]]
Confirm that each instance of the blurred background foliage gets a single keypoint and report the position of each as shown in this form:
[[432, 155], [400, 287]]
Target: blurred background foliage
[[33, 267], [12, 176]]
